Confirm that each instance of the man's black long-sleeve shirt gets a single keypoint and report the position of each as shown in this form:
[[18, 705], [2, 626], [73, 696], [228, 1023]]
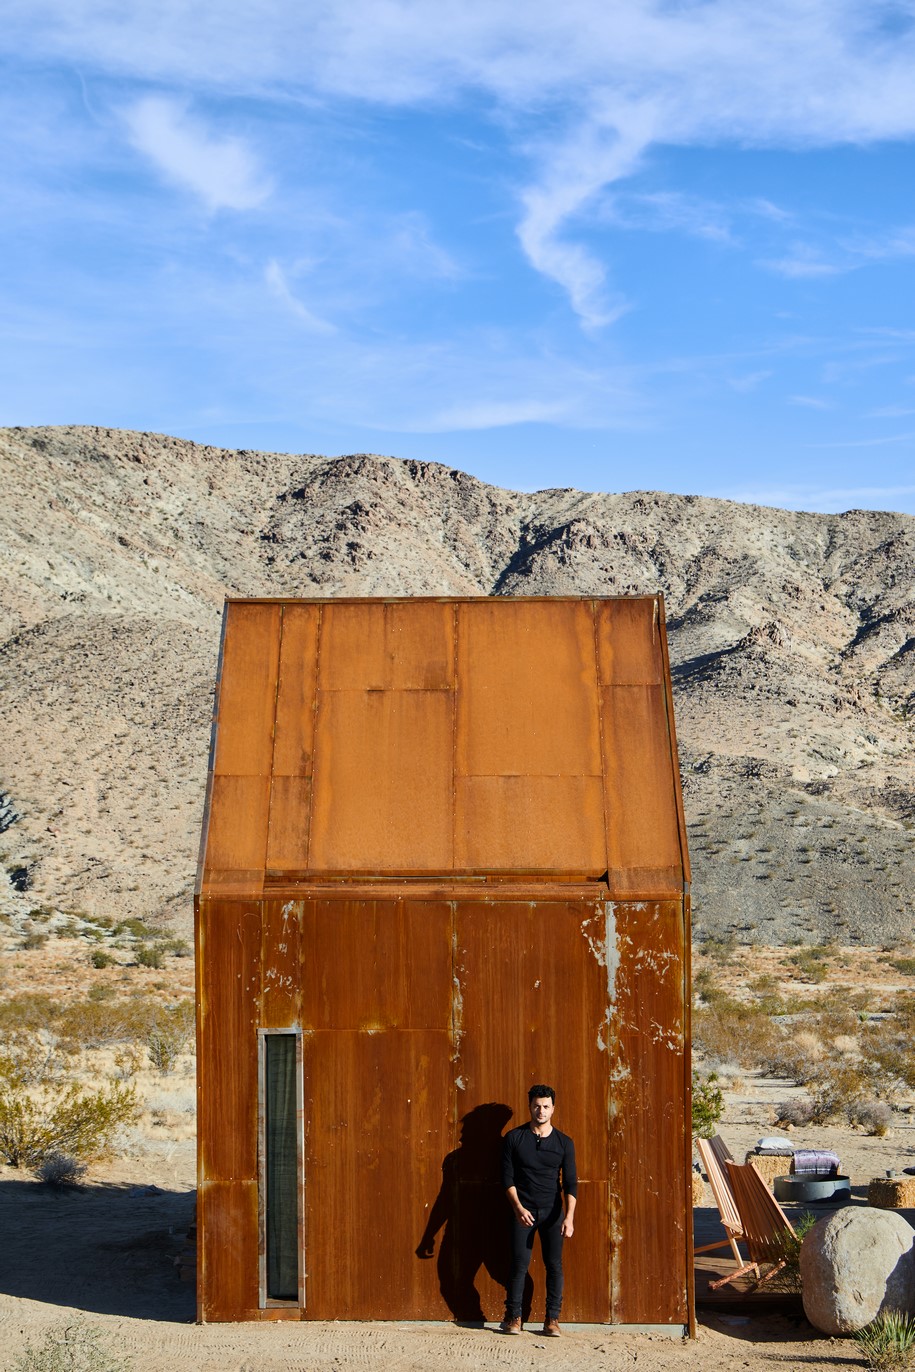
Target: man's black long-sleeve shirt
[[533, 1165]]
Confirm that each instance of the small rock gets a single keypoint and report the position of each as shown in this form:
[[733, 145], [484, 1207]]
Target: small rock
[[855, 1264]]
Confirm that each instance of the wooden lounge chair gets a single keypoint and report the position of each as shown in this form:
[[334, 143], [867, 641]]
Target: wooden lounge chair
[[715, 1154], [763, 1222]]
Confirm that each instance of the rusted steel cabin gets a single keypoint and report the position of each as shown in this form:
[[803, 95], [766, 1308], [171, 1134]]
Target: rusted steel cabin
[[443, 858]]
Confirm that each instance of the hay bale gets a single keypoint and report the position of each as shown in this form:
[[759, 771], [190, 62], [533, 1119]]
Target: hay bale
[[892, 1193], [698, 1188], [770, 1165]]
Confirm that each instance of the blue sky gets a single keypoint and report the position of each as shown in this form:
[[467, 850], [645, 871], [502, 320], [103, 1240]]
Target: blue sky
[[642, 245]]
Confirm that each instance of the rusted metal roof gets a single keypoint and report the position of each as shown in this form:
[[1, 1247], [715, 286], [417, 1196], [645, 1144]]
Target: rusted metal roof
[[522, 739]]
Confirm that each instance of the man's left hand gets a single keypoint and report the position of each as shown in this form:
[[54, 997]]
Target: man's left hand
[[568, 1227]]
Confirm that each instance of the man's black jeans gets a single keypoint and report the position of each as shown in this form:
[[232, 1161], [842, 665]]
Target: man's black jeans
[[548, 1224]]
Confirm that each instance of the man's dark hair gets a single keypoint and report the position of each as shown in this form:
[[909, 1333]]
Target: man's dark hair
[[539, 1092]]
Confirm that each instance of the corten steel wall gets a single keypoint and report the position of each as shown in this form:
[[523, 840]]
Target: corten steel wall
[[445, 841]]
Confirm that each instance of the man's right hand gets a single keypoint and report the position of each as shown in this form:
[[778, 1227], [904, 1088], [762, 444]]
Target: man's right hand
[[524, 1216]]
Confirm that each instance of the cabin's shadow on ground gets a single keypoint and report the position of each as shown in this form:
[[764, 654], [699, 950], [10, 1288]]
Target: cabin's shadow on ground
[[472, 1214], [105, 1248]]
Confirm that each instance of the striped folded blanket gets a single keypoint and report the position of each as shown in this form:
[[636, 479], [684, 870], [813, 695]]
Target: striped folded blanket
[[822, 1161]]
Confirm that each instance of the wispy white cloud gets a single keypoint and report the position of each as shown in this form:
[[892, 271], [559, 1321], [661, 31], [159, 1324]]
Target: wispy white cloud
[[411, 241], [496, 415], [821, 499], [279, 288], [608, 81], [766, 209], [671, 211], [891, 412], [222, 171], [804, 262], [745, 384], [890, 441], [810, 402]]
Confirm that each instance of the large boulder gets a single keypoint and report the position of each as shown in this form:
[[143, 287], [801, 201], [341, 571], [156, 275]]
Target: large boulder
[[855, 1264]]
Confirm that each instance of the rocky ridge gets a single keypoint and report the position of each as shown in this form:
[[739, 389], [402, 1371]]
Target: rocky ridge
[[792, 641]]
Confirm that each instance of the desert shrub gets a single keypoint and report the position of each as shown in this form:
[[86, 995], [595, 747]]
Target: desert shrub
[[29, 1010], [837, 1089], [797, 1112], [99, 958], [69, 928], [811, 962], [704, 985], [836, 1021], [74, 1347], [30, 1057], [127, 1062], [60, 1170], [102, 990], [33, 939], [888, 1342], [169, 1035], [721, 947], [874, 1116], [150, 955], [789, 1250], [905, 966], [888, 1053], [708, 1105], [71, 1120], [178, 947], [133, 926], [99, 1023], [730, 1030]]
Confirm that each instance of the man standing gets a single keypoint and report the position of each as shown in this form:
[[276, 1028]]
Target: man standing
[[538, 1173]]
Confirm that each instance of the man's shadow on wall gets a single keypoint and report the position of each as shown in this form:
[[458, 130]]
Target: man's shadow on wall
[[472, 1209]]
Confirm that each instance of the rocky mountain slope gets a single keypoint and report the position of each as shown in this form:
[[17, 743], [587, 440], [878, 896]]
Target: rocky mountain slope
[[792, 641]]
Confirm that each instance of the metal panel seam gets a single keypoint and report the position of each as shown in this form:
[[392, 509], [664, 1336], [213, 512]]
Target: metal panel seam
[[600, 735], [319, 635], [455, 631], [672, 745]]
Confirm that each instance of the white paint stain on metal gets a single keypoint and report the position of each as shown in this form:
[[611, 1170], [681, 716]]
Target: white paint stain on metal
[[604, 946]]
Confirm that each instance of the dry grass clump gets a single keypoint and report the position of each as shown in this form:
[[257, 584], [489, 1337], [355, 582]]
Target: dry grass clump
[[74, 1347], [60, 1170], [888, 1342], [169, 1034], [873, 1116], [793, 1114]]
